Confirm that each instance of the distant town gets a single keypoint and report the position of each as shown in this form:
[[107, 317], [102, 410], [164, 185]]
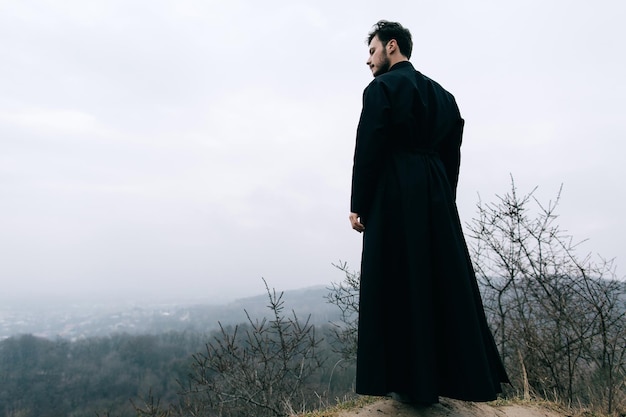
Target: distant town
[[75, 321]]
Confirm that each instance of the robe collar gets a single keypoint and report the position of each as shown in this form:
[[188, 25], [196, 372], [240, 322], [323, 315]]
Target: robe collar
[[401, 64]]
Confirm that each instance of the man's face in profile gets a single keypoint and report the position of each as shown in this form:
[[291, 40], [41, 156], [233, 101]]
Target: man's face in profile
[[378, 60]]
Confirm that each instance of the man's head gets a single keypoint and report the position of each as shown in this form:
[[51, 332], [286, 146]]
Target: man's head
[[389, 43]]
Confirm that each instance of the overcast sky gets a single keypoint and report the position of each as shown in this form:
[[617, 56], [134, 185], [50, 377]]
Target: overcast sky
[[187, 148]]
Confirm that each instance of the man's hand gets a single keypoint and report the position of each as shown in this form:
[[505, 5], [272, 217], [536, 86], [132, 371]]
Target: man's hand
[[356, 224]]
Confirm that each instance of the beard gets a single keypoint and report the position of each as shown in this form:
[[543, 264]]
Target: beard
[[384, 65]]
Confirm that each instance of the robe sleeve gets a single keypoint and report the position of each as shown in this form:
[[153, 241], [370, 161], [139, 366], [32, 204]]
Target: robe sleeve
[[450, 154], [370, 143]]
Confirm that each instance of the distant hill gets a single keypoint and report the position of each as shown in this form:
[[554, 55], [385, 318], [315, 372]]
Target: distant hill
[[75, 321]]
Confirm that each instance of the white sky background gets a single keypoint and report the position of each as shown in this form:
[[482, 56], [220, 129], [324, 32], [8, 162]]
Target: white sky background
[[189, 148]]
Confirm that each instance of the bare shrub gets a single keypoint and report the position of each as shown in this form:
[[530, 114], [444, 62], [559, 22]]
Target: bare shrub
[[345, 295], [558, 318], [256, 369]]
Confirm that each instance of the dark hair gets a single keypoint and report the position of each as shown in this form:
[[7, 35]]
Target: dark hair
[[387, 31]]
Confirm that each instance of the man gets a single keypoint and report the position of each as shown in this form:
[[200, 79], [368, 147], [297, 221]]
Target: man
[[422, 328]]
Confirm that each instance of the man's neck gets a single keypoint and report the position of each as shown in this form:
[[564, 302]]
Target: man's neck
[[393, 61]]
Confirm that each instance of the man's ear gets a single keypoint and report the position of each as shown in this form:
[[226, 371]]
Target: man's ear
[[392, 46]]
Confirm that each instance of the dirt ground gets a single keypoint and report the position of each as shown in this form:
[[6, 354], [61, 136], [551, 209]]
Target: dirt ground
[[448, 408]]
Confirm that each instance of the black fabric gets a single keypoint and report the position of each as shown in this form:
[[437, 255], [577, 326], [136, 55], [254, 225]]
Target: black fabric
[[422, 328]]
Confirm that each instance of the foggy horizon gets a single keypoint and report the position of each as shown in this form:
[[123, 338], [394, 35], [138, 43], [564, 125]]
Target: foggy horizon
[[188, 149]]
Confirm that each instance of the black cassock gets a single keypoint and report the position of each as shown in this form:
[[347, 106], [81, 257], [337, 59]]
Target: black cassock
[[422, 328]]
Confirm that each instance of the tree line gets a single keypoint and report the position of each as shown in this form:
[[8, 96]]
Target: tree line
[[260, 367], [41, 377]]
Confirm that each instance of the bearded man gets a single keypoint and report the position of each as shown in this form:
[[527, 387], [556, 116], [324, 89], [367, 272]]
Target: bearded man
[[422, 327]]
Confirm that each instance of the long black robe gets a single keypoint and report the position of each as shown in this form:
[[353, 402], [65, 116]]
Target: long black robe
[[422, 327]]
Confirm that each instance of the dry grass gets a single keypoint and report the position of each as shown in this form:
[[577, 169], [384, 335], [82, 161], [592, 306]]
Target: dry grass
[[349, 404], [361, 401]]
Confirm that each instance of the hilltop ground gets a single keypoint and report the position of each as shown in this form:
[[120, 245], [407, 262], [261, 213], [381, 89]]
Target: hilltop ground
[[449, 408]]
